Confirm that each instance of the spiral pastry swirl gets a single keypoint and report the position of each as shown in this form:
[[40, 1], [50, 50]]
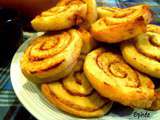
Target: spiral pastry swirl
[[51, 56], [60, 17], [146, 51], [66, 14], [127, 23], [75, 95], [119, 12], [114, 79]]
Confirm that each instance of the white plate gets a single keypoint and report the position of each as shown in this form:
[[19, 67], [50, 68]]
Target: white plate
[[32, 99]]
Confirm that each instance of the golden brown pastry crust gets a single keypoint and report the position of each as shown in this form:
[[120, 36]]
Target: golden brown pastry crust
[[88, 42], [119, 12], [60, 17], [122, 25], [70, 108], [74, 94], [66, 14], [114, 79], [51, 56], [91, 11], [143, 53], [91, 15]]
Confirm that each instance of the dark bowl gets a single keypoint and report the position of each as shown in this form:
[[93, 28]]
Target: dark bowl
[[10, 34]]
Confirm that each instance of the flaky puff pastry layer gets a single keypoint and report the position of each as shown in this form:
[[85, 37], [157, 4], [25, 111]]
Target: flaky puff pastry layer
[[143, 53], [76, 96], [122, 25], [51, 56], [114, 79], [120, 12], [66, 14], [60, 17]]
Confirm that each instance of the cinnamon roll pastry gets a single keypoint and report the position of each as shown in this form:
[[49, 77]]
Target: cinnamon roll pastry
[[52, 56], [74, 95], [91, 15], [119, 12], [60, 17], [114, 79], [143, 53], [123, 25]]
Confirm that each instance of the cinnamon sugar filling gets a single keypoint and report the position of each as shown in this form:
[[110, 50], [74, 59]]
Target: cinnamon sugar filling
[[77, 94], [118, 70], [54, 66], [149, 56], [44, 47], [52, 46]]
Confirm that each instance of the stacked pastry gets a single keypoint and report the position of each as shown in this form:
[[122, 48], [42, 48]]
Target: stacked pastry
[[82, 77]]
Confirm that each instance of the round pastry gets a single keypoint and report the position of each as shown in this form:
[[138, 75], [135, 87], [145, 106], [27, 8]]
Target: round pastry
[[127, 23], [60, 17], [91, 15], [51, 56], [117, 81], [143, 53], [66, 14], [74, 95], [119, 12]]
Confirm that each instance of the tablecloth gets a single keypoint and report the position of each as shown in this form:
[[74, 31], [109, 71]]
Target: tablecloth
[[10, 106]]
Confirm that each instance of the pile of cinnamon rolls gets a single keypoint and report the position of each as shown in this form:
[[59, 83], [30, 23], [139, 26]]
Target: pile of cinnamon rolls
[[79, 70]]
